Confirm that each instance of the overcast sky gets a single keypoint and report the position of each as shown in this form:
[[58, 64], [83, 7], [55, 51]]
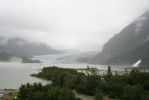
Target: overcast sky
[[68, 24]]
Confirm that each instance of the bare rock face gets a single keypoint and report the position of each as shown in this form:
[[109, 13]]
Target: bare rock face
[[128, 46]]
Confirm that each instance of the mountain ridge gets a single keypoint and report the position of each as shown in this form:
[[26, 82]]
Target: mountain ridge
[[128, 46], [20, 47], [6, 57]]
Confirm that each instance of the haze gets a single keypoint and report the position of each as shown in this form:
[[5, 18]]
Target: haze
[[68, 24]]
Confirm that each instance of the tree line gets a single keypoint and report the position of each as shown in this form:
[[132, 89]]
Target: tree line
[[133, 86]]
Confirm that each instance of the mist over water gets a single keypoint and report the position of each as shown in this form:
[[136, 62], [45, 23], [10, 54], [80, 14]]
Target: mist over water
[[12, 75], [16, 60]]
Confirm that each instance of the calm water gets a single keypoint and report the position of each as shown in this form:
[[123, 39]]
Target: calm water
[[12, 75]]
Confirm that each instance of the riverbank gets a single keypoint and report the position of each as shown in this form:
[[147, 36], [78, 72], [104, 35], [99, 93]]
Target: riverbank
[[8, 94]]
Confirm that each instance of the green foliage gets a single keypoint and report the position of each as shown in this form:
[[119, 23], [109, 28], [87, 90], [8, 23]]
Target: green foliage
[[135, 92], [38, 92], [89, 84], [133, 86], [128, 87], [98, 95], [58, 76], [109, 71]]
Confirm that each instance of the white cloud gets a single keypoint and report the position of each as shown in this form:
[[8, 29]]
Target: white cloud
[[77, 24]]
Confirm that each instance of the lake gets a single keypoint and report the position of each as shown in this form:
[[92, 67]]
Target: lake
[[12, 75]]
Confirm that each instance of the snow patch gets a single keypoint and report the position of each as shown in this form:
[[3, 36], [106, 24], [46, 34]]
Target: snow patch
[[136, 64]]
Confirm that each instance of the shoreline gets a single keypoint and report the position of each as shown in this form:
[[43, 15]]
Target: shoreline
[[8, 94]]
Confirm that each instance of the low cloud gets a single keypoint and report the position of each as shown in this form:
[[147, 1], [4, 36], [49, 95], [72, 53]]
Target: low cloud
[[139, 24], [68, 24], [16, 60]]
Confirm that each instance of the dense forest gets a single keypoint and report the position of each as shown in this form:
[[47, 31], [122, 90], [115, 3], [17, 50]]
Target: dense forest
[[133, 86], [37, 91]]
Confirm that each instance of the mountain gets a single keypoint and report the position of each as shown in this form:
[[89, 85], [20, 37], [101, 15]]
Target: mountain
[[21, 47], [68, 56], [74, 56], [6, 57], [128, 58], [128, 46]]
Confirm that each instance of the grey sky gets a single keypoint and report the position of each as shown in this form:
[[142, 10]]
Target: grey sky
[[68, 24]]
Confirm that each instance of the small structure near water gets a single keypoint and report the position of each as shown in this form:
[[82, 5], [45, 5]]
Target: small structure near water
[[1, 96], [96, 71]]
